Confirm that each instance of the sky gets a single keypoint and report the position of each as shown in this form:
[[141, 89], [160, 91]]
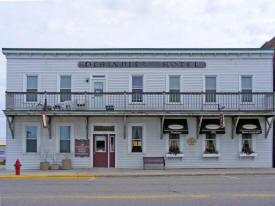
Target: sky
[[132, 24]]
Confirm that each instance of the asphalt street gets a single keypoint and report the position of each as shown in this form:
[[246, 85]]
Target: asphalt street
[[147, 191]]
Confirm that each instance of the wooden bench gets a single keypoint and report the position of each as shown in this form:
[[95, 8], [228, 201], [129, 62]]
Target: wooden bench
[[151, 163]]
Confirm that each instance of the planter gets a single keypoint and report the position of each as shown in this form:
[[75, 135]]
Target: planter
[[248, 155], [174, 155], [67, 164], [211, 155], [44, 165], [54, 167]]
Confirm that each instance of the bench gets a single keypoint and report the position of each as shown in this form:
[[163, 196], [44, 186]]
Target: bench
[[151, 163]]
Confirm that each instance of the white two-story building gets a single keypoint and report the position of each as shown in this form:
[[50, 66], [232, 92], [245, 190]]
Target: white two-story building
[[197, 108]]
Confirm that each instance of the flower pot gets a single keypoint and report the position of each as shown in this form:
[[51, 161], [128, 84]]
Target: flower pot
[[54, 167], [66, 164], [44, 165]]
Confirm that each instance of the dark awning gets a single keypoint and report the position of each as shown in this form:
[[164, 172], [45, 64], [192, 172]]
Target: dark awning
[[211, 126], [175, 126], [249, 126]]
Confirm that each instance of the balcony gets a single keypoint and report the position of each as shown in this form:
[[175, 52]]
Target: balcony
[[147, 102]]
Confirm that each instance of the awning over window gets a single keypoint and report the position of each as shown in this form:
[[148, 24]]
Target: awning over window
[[211, 126], [249, 126], [175, 126]]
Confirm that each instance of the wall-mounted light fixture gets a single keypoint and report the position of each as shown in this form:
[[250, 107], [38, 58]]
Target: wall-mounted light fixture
[[87, 80]]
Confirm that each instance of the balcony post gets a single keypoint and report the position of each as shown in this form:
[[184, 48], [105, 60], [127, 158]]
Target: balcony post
[[124, 96], [163, 99]]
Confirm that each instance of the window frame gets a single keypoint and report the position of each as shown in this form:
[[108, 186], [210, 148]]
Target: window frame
[[169, 89], [72, 144], [217, 136], [25, 83], [25, 125], [205, 89], [59, 83], [131, 88], [130, 138], [241, 89], [253, 141]]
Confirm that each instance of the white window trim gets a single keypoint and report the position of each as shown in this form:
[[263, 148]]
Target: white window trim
[[130, 125], [218, 136], [204, 87], [130, 87], [253, 88], [25, 87], [57, 137], [25, 124], [58, 85], [253, 146], [168, 88]]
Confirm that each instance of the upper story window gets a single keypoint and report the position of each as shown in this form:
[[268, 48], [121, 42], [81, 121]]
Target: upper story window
[[137, 88], [31, 138], [137, 139], [210, 89], [65, 86], [65, 139], [32, 86], [247, 88], [174, 86]]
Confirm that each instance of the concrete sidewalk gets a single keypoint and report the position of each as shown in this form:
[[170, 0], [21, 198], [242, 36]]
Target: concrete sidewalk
[[114, 172]]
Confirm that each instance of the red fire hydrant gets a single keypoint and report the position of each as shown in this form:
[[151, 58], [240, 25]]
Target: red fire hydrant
[[17, 167]]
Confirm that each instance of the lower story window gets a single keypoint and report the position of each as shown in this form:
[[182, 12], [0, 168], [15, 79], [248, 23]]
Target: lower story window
[[31, 138], [210, 144], [65, 139], [174, 143], [136, 139], [247, 144]]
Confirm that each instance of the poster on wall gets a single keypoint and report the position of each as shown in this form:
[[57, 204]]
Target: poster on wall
[[82, 148]]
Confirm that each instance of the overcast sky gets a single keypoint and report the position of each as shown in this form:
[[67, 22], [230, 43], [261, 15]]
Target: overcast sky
[[132, 23]]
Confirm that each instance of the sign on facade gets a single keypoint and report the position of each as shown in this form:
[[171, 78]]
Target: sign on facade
[[82, 148], [141, 64]]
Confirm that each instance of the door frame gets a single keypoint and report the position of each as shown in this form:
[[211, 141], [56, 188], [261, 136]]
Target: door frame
[[91, 136], [103, 79]]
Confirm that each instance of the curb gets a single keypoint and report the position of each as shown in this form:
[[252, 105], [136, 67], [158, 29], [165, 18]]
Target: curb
[[47, 176], [127, 175]]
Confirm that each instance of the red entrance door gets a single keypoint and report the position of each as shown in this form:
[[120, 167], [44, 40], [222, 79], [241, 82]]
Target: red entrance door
[[112, 150], [100, 150]]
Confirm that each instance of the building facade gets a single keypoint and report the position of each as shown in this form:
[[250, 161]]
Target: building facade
[[197, 108]]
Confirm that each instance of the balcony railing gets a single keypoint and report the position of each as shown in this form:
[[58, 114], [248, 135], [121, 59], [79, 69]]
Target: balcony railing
[[147, 101]]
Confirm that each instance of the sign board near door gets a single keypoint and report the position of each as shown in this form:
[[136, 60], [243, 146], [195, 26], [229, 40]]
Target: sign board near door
[[82, 148]]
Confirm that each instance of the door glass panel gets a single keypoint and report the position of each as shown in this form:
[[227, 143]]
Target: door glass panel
[[112, 144], [98, 88], [100, 145]]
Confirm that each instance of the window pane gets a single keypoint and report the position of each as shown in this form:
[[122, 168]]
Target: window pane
[[247, 144], [65, 146], [65, 97], [210, 83], [247, 83], [210, 144], [65, 132], [31, 132], [65, 82], [137, 132], [174, 83], [136, 139], [137, 82], [31, 145], [31, 82], [174, 143], [112, 144]]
